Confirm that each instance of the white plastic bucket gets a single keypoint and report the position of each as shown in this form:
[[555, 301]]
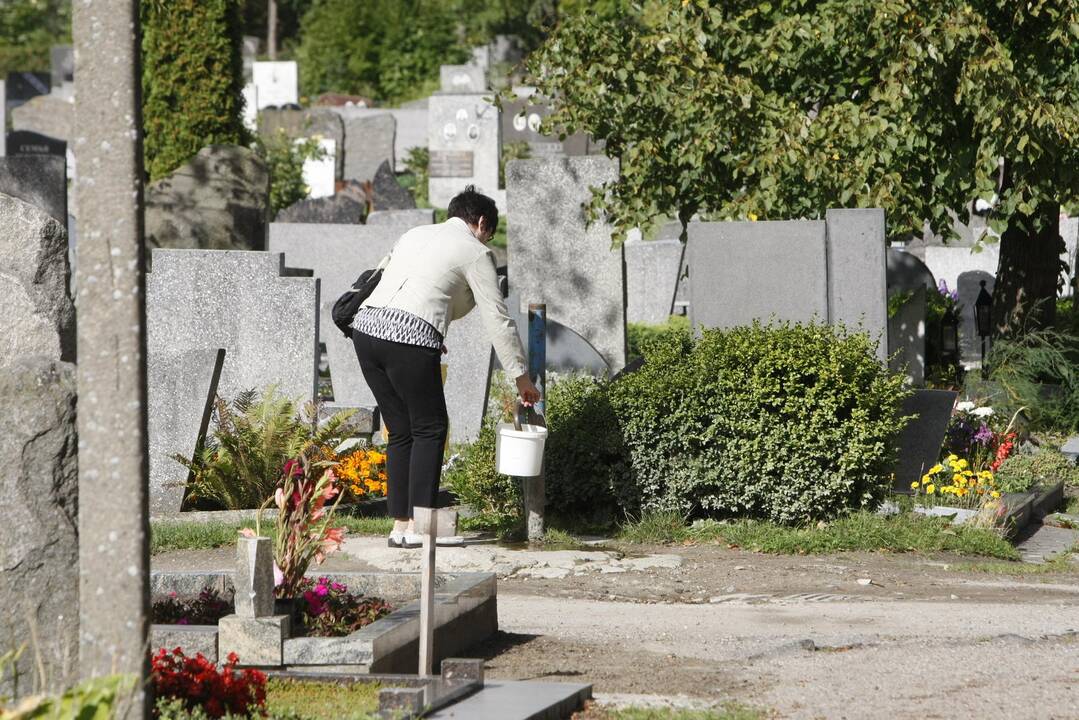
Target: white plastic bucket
[[520, 452]]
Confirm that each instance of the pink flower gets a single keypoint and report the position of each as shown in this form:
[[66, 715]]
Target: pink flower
[[279, 498], [332, 540], [247, 532], [278, 576]]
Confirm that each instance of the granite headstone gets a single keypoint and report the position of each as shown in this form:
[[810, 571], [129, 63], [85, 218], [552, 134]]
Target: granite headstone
[[40, 181], [28, 142], [21, 86], [240, 301], [651, 279], [387, 193], [462, 79], [220, 199], [368, 143], [336, 209], [948, 262], [180, 390], [277, 83], [465, 143], [36, 311], [857, 289], [920, 441], [558, 258]]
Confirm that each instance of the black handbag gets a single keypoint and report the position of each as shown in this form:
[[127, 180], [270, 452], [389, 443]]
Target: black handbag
[[346, 307]]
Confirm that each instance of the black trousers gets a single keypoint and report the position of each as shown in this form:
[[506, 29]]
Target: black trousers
[[407, 384]]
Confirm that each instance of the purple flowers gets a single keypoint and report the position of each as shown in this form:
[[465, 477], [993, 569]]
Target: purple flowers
[[942, 288], [984, 436]]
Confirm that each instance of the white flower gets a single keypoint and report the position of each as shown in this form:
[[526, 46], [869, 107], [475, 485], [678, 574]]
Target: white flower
[[965, 406], [982, 412]]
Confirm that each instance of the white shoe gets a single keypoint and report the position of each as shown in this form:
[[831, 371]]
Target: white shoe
[[404, 540]]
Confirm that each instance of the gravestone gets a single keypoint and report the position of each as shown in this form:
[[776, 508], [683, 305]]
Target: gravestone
[[857, 289], [40, 181], [746, 271], [464, 140], [906, 272], [61, 64], [36, 312], [410, 129], [314, 122], [920, 441], [468, 362], [48, 115], [180, 391], [39, 542], [567, 351], [27, 142], [558, 258], [337, 254], [969, 286], [402, 218], [277, 83], [336, 209], [240, 301], [651, 279], [387, 193], [368, 143], [251, 107], [319, 174], [948, 262], [462, 79], [21, 86], [522, 120], [906, 338], [220, 199]]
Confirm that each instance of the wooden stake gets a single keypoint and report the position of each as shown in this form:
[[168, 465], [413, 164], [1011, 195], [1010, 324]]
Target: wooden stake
[[426, 523]]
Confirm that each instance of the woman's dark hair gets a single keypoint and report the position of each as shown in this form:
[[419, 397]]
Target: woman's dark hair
[[470, 206]]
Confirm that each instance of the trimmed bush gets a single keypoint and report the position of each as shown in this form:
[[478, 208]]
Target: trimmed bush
[[1023, 471], [639, 336], [495, 499], [783, 422], [192, 80]]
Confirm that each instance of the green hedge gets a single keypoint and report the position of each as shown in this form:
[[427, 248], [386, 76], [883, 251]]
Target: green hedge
[[192, 79], [1022, 471], [788, 423]]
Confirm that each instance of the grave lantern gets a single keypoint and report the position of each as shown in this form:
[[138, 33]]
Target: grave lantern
[[983, 317], [949, 338]]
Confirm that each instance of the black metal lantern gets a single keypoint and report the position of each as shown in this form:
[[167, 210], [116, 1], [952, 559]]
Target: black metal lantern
[[983, 319]]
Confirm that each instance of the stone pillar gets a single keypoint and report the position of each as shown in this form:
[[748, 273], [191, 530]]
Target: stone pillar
[[113, 470]]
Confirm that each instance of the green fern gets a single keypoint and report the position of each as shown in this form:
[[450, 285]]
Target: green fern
[[239, 464]]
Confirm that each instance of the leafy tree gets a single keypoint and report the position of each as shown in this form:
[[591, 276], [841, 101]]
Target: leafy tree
[[28, 28], [784, 108], [192, 79]]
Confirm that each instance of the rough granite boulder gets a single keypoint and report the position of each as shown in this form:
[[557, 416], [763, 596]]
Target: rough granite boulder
[[336, 209], [387, 192], [39, 547], [37, 311], [219, 200]]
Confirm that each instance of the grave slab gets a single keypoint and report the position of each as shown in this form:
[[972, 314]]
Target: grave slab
[[519, 700], [906, 338], [920, 441], [651, 279], [969, 286], [368, 143], [38, 180], [38, 315], [240, 301], [559, 259], [180, 392], [857, 289], [745, 271], [465, 142]]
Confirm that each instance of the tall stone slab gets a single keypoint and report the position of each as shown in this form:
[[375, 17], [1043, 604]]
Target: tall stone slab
[[39, 541], [337, 255], [906, 338], [180, 389], [219, 200], [114, 579], [3, 118], [745, 271], [465, 143], [969, 287], [368, 143], [410, 129], [857, 288], [559, 259], [240, 301], [38, 180], [460, 79], [36, 313], [651, 279]]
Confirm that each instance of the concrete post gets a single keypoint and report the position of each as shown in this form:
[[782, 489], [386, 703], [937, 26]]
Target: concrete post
[[113, 468], [426, 522], [535, 488]]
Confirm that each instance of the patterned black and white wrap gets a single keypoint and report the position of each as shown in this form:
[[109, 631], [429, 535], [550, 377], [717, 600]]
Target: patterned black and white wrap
[[396, 325]]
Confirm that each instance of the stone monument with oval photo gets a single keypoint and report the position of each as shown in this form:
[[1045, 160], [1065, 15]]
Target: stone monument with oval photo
[[465, 142]]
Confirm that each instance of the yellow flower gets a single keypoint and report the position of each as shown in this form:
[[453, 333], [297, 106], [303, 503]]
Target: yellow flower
[[995, 494], [925, 479], [958, 479], [914, 485], [963, 464], [752, 217], [936, 469], [930, 488]]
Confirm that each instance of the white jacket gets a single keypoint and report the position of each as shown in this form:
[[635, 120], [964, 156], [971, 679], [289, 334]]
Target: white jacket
[[439, 273]]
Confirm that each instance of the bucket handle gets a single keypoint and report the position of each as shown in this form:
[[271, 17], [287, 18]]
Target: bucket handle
[[526, 414]]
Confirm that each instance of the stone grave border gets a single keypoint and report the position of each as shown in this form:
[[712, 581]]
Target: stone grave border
[[465, 615]]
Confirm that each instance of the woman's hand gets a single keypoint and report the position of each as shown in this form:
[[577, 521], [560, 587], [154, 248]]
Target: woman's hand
[[444, 350], [527, 390]]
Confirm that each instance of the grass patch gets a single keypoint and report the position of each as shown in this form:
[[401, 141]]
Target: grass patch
[[730, 711], [1062, 563], [315, 701], [170, 535], [862, 531]]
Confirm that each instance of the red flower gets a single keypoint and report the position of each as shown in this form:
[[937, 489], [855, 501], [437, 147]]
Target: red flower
[[198, 683]]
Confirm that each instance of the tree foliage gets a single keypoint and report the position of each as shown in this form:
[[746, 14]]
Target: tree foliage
[[192, 79], [28, 28], [784, 108]]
